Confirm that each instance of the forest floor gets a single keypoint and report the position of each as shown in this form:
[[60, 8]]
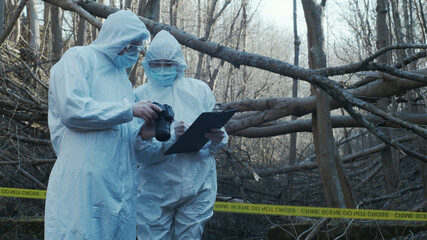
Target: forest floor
[[23, 218], [309, 192]]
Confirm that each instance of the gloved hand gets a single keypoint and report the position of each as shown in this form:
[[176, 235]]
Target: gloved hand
[[215, 135], [180, 128], [145, 110]]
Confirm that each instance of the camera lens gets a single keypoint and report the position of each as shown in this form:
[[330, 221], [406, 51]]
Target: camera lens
[[162, 130], [163, 122]]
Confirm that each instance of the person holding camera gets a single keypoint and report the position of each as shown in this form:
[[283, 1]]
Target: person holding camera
[[92, 188], [176, 193]]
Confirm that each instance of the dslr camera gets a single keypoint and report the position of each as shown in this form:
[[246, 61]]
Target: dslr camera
[[163, 122]]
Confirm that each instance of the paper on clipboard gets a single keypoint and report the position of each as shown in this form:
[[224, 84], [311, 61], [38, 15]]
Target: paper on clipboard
[[193, 139]]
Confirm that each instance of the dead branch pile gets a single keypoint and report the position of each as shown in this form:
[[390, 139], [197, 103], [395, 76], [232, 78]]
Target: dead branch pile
[[26, 155], [237, 179]]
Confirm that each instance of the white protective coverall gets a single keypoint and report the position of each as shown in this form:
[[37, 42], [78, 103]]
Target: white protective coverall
[[176, 193], [92, 187]]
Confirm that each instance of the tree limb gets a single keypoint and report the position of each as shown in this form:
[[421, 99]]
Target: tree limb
[[275, 108], [239, 58], [13, 20], [75, 7], [304, 125]]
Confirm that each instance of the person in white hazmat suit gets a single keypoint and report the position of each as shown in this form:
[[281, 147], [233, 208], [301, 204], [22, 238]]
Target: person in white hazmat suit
[[92, 190], [176, 193]]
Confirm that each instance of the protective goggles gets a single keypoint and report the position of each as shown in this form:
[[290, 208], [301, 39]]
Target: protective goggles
[[134, 47], [162, 64]]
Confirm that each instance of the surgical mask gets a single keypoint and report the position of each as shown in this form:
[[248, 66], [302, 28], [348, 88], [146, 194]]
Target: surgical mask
[[165, 76], [126, 60]]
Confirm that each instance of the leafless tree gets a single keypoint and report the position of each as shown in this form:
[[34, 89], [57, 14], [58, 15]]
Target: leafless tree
[[211, 18], [337, 189], [258, 85], [293, 136], [56, 32], [33, 30], [2, 17], [81, 31]]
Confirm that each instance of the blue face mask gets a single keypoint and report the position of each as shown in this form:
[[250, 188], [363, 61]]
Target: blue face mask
[[126, 60], [164, 76]]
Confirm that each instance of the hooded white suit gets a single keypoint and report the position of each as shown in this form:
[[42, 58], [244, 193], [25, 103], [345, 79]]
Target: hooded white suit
[[176, 193], [92, 187]]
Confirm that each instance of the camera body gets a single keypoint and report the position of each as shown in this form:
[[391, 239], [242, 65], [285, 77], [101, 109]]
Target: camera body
[[163, 122]]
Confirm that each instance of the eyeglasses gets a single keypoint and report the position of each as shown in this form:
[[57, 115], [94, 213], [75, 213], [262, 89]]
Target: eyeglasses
[[134, 47], [159, 64]]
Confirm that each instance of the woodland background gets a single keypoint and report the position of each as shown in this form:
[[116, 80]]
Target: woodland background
[[332, 117]]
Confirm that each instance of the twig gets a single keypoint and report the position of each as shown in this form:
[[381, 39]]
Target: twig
[[317, 228], [19, 98], [236, 179], [25, 138], [391, 47], [379, 230], [420, 207], [279, 226], [392, 195], [31, 96], [369, 177], [19, 152], [25, 173], [309, 229], [410, 59], [348, 227], [13, 20], [44, 85], [32, 178], [33, 162], [348, 139], [314, 229], [230, 153]]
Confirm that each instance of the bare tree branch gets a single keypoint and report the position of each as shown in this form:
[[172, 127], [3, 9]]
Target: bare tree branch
[[74, 6], [304, 125], [238, 58], [13, 20], [365, 65], [274, 108]]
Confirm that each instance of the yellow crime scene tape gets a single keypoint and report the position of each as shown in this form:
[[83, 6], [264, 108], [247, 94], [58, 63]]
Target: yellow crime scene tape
[[264, 209], [319, 212], [22, 193]]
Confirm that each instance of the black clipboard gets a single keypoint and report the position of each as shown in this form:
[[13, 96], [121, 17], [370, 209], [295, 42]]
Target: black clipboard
[[193, 139]]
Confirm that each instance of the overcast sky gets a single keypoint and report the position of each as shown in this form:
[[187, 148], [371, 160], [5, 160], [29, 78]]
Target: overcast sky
[[279, 11]]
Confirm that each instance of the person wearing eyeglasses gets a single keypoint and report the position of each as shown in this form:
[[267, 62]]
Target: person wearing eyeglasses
[[176, 193], [92, 190]]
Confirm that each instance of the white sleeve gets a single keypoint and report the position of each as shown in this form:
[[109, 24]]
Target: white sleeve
[[70, 88], [209, 104], [152, 151]]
